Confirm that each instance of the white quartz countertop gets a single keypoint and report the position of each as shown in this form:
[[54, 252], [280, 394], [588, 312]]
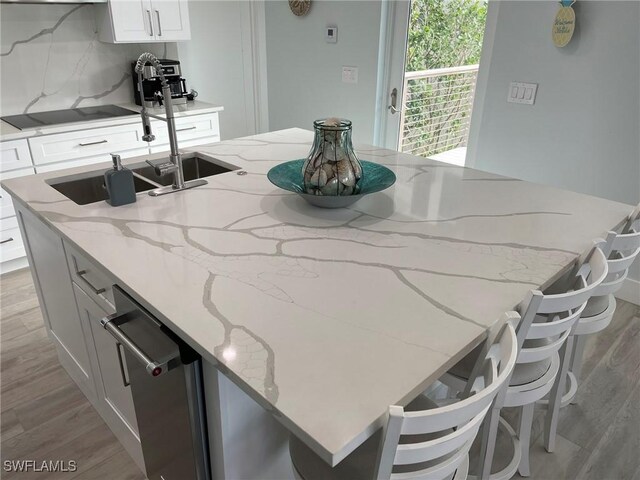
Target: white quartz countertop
[[327, 317], [196, 107]]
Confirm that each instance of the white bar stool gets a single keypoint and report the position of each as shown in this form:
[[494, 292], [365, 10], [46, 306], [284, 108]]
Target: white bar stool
[[541, 367], [422, 440]]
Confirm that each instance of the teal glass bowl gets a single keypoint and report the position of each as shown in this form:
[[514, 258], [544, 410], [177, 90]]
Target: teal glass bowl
[[288, 176]]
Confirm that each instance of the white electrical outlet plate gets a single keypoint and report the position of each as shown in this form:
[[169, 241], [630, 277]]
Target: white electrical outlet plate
[[331, 34], [520, 92], [350, 74]]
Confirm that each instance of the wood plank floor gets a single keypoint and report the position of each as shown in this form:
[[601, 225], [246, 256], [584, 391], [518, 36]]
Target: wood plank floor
[[45, 416]]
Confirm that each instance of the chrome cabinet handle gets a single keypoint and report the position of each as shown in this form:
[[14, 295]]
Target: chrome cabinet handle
[[93, 143], [150, 23], [185, 129], [159, 26], [125, 381], [97, 291], [81, 274], [152, 367], [10, 239]]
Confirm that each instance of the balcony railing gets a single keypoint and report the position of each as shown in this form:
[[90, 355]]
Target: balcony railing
[[436, 109]]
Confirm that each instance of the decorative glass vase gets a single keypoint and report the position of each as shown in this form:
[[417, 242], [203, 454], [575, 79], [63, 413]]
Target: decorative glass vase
[[332, 167]]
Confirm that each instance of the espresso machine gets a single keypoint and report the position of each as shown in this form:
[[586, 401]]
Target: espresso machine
[[151, 84]]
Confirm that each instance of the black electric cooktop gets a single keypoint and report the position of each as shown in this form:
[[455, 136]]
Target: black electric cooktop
[[56, 117]]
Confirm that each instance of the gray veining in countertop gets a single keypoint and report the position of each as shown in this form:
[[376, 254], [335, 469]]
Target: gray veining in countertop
[[326, 317]]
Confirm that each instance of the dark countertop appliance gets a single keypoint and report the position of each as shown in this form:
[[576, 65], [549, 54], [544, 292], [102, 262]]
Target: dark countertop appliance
[[73, 115], [151, 83]]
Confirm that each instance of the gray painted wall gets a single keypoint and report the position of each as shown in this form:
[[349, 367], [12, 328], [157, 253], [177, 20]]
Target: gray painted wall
[[213, 62], [583, 133], [305, 72]]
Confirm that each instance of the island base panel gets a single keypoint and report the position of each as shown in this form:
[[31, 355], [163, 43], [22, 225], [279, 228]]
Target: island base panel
[[245, 440]]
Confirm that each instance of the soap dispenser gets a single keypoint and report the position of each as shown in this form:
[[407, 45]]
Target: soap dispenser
[[119, 183]]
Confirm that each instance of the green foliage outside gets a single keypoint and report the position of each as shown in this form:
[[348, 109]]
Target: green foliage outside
[[442, 33]]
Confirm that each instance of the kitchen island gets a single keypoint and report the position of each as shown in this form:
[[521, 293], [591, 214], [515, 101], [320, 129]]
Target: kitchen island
[[323, 318]]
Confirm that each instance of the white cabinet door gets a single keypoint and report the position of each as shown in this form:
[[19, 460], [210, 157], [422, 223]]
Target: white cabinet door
[[6, 205], [171, 19], [11, 245], [131, 20], [114, 393], [14, 154], [51, 275], [143, 21]]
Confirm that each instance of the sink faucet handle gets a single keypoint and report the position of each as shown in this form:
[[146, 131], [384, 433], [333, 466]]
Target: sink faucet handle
[[162, 169]]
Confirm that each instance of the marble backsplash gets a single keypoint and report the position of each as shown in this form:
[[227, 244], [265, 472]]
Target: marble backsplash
[[51, 58]]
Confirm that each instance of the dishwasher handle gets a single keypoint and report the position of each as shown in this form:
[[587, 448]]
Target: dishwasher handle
[[152, 367]]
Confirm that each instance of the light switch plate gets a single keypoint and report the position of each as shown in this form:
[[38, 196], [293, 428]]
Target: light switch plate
[[331, 34], [350, 74], [520, 92]]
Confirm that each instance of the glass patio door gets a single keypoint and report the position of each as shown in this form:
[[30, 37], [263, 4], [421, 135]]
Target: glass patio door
[[395, 28], [434, 48]]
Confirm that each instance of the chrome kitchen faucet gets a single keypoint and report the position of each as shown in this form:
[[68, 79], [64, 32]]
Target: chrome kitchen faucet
[[174, 165]]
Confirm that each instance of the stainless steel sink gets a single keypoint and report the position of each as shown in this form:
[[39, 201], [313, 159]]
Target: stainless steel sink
[[193, 166], [90, 188]]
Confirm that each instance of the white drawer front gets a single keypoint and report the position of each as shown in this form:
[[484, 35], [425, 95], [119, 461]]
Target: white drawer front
[[189, 128], [85, 143], [51, 167], [14, 154], [11, 245], [6, 205], [186, 144], [90, 279]]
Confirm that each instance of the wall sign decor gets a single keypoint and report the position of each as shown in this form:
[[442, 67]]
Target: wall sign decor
[[564, 24], [300, 7]]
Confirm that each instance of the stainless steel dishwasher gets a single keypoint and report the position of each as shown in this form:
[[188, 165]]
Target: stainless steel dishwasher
[[165, 375]]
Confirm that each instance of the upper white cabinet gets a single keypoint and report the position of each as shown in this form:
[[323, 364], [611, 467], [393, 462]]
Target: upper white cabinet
[[122, 21], [171, 19]]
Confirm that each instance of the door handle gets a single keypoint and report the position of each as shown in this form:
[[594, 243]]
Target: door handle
[[394, 101], [159, 26], [150, 23], [152, 367], [125, 381], [10, 239], [186, 128]]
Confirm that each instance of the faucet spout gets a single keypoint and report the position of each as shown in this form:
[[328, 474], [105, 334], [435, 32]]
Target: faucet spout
[[174, 157]]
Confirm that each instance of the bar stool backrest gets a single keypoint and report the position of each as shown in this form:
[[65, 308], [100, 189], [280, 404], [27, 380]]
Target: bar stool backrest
[[449, 430], [562, 310]]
